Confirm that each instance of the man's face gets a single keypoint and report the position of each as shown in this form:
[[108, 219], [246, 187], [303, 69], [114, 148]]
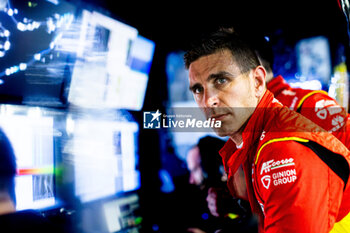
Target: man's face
[[222, 91], [194, 166]]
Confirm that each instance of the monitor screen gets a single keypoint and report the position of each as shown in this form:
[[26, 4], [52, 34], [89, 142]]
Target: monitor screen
[[31, 136], [105, 158], [314, 63], [141, 54], [140, 61], [122, 213], [36, 52], [112, 66]]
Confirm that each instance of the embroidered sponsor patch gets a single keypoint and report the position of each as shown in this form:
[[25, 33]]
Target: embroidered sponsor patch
[[284, 177], [288, 92], [272, 164], [266, 181], [262, 135], [279, 178], [294, 101], [323, 107]]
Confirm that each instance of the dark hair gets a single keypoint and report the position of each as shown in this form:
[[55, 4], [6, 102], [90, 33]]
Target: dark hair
[[7, 165], [264, 51], [224, 38], [210, 159]]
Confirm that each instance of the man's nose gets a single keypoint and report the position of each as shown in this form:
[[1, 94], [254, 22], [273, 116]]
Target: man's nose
[[211, 99]]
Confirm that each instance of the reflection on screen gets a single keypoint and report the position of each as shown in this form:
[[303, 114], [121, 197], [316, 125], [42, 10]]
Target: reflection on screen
[[32, 140], [122, 213], [141, 55], [37, 50], [105, 158], [112, 66]]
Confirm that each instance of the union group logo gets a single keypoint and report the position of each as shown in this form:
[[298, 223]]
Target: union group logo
[[151, 120]]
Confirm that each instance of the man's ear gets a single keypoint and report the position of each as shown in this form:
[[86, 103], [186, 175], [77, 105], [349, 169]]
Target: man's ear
[[259, 81]]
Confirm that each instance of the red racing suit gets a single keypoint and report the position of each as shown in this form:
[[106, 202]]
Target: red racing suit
[[296, 173], [317, 106]]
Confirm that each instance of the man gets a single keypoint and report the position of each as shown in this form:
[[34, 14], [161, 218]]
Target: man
[[206, 172], [316, 105], [204, 163], [296, 172]]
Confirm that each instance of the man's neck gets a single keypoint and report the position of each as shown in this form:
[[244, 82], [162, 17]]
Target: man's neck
[[6, 203], [7, 207], [269, 77], [237, 139]]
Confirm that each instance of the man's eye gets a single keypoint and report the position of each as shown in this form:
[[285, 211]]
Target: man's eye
[[197, 90], [220, 81]]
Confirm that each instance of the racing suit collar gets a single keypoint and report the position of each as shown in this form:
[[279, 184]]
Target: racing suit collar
[[231, 156], [277, 85]]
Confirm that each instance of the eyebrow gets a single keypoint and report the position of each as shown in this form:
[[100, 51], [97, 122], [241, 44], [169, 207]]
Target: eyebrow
[[211, 77], [219, 75]]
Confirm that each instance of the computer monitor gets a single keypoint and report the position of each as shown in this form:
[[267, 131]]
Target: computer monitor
[[37, 52], [112, 66], [140, 62], [105, 158], [122, 213], [31, 136]]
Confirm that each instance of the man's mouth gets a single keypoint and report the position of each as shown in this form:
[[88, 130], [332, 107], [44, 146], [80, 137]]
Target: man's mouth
[[219, 117]]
